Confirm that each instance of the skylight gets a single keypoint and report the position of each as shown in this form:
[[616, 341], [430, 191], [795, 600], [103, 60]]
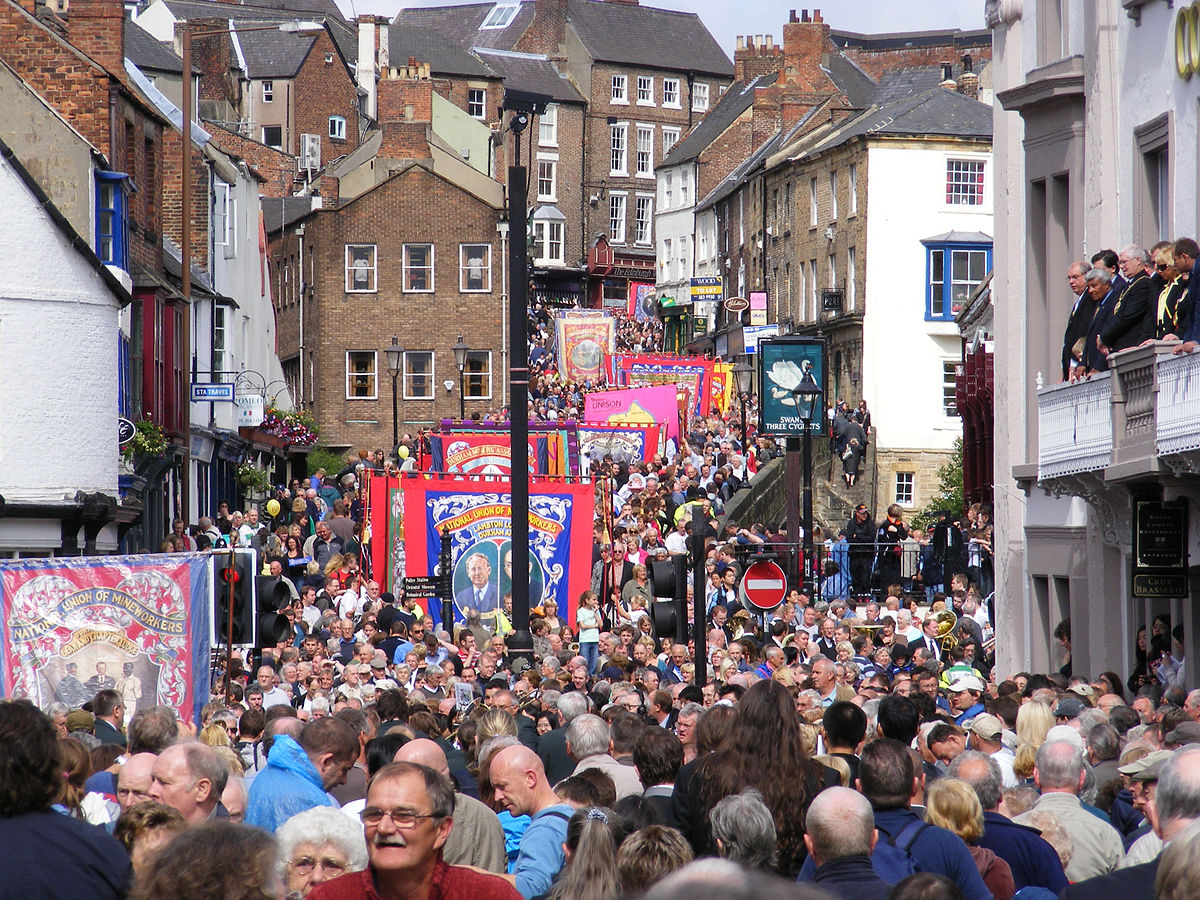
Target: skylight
[[501, 16]]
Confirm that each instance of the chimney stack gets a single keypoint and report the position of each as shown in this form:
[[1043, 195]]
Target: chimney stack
[[405, 111], [97, 28], [372, 59], [806, 46], [756, 55], [548, 29]]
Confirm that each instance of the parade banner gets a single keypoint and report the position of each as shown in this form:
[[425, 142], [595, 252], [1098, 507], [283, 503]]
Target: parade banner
[[138, 624], [490, 453], [583, 342], [655, 405], [643, 302], [693, 372], [723, 387], [626, 443], [478, 515], [385, 517]]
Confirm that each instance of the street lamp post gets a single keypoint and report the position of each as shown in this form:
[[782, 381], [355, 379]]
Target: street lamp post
[[742, 373], [808, 395], [460, 359], [395, 358]]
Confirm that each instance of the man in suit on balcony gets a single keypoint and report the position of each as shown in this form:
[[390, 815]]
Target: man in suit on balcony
[[1075, 337], [1124, 327]]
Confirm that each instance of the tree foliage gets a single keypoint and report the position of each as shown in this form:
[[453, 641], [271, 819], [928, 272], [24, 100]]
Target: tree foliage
[[950, 493]]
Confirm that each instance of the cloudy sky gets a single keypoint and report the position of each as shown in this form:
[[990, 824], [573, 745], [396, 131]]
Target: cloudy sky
[[729, 18]]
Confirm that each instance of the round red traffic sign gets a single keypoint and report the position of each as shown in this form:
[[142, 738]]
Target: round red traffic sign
[[764, 585]]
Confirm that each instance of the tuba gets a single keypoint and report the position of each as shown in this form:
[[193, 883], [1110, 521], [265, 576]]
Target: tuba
[[946, 622]]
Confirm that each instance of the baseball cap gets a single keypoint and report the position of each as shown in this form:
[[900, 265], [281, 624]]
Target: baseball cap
[[1067, 734], [1152, 764], [1184, 733], [987, 726], [1069, 707], [965, 683], [378, 664], [1083, 690]]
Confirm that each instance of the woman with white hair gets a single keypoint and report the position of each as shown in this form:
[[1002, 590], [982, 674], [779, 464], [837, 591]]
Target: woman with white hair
[[318, 845]]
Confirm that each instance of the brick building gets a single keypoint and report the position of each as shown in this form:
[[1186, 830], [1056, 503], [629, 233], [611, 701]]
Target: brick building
[[647, 76], [414, 252]]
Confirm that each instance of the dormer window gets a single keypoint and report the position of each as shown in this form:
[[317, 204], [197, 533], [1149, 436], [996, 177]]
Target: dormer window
[[501, 16]]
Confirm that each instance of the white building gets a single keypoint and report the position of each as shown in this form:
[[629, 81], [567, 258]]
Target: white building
[[58, 368], [1095, 133]]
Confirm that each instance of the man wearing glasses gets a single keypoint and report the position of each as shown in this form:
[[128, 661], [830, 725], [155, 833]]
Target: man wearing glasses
[[407, 819]]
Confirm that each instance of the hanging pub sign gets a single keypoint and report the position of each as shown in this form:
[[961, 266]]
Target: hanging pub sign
[[1160, 563]]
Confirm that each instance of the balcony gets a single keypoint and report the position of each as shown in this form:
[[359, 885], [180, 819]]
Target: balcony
[[1136, 422]]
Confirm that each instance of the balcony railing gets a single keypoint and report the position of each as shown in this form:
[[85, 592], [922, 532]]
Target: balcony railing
[[1075, 427], [1145, 407]]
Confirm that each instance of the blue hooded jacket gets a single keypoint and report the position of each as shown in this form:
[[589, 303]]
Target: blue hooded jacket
[[288, 785]]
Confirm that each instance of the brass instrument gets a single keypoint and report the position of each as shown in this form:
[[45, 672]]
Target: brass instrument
[[946, 623]]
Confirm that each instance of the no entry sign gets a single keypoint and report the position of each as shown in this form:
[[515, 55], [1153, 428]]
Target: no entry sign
[[764, 585]]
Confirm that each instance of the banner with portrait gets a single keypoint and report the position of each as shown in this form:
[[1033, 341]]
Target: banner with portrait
[[478, 515], [583, 342], [643, 301], [626, 443], [693, 372], [490, 453], [71, 627], [657, 405]]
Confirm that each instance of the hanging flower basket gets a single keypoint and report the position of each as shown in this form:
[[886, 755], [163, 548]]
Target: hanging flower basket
[[295, 427], [252, 478], [149, 442]]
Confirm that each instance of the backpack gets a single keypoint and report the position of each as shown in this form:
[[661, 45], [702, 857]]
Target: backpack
[[893, 860]]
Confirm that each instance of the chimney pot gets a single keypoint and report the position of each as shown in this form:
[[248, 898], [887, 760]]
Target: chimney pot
[[967, 62], [947, 72], [817, 16], [770, 42], [741, 42], [412, 61], [804, 15]]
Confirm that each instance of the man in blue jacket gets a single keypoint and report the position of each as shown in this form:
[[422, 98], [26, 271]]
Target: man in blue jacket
[[1032, 860], [887, 779], [299, 773]]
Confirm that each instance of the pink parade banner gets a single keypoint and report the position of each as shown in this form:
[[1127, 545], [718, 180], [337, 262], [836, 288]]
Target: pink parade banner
[[635, 406]]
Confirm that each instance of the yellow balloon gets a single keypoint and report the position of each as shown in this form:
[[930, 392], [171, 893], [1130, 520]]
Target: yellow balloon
[[272, 507], [403, 451]]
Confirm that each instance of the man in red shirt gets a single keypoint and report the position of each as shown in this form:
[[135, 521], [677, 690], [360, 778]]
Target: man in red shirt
[[406, 821]]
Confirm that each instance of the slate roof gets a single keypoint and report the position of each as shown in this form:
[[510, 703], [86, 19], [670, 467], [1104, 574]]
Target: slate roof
[[280, 211], [735, 101], [461, 24], [959, 237], [428, 45], [274, 54], [851, 80], [528, 72], [934, 112], [645, 36], [897, 40], [895, 84], [263, 11], [149, 54], [611, 32]]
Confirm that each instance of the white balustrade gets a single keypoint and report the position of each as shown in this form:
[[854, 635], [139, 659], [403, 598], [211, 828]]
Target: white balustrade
[[1075, 431], [1178, 403]]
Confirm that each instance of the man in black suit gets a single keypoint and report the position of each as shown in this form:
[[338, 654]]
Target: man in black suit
[[1080, 319], [552, 746], [481, 594], [1177, 795], [928, 639], [109, 710], [1124, 327]]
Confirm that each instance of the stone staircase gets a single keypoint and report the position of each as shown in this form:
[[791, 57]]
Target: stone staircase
[[833, 502]]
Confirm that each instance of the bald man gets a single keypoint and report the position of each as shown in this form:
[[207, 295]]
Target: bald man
[[520, 785], [133, 781], [840, 835], [477, 838]]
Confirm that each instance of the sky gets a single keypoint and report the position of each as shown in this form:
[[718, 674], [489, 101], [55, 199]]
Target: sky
[[726, 19]]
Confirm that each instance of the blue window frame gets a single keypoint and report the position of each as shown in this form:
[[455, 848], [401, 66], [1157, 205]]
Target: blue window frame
[[952, 273], [112, 218]]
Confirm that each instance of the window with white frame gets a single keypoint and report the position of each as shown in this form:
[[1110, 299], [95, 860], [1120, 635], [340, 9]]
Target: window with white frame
[[852, 186], [964, 182], [833, 204], [685, 266], [671, 93], [699, 97], [904, 488], [668, 183], [800, 268], [362, 382], [548, 242], [645, 151], [833, 270], [670, 139], [418, 268], [272, 136], [683, 187], [616, 218], [418, 374], [337, 127], [220, 342], [619, 142], [814, 277], [477, 375], [548, 126], [268, 91], [645, 90], [950, 387], [547, 181], [703, 246], [501, 15], [360, 268], [474, 268], [643, 217], [668, 260], [224, 221], [620, 89], [476, 103], [812, 203], [851, 275]]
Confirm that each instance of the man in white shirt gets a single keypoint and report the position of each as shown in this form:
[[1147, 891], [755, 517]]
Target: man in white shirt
[[984, 735]]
